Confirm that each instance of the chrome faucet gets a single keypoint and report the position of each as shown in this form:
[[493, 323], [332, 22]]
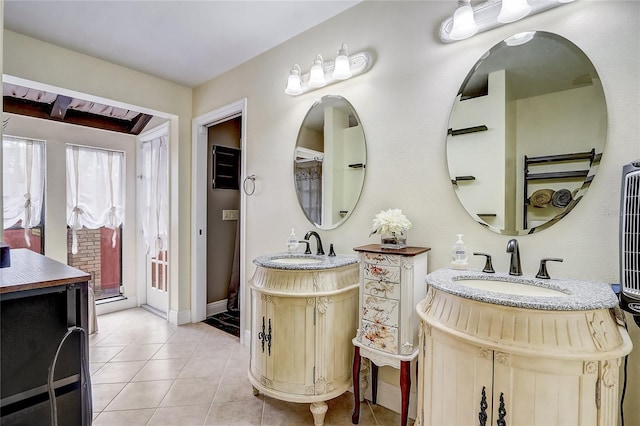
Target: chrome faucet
[[515, 268], [320, 250]]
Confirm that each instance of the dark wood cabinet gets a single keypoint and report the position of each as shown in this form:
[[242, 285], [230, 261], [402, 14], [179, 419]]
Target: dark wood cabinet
[[42, 303]]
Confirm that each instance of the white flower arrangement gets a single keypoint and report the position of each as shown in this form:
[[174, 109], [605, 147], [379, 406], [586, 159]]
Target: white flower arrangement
[[390, 222]]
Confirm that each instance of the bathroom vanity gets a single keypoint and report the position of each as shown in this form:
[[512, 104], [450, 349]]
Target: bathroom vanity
[[499, 349], [303, 317]]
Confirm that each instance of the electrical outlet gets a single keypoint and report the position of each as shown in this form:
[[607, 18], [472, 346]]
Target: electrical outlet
[[229, 214]]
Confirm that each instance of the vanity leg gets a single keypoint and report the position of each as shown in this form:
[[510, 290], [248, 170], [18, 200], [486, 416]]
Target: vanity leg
[[405, 387], [255, 391], [318, 409], [374, 383], [355, 417]]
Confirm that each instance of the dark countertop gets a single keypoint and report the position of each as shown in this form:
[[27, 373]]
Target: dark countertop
[[30, 270], [406, 251]]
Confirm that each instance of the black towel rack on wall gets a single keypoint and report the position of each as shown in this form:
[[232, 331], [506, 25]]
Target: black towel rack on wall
[[567, 174]]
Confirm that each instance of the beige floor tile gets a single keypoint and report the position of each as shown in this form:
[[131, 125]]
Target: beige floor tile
[[341, 409], [387, 417], [117, 372], [205, 367], [194, 415], [285, 413], [160, 369], [234, 389], [245, 413], [157, 336], [136, 352], [138, 395], [103, 393], [95, 366], [195, 391], [117, 339], [176, 350], [122, 418], [104, 353]]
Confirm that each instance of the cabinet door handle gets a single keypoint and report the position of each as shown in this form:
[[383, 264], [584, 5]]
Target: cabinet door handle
[[269, 338], [482, 415], [502, 412], [262, 337]]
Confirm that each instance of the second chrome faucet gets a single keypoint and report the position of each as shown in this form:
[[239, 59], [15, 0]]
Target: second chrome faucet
[[515, 268]]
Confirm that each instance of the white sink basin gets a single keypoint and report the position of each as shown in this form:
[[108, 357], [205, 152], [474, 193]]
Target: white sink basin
[[513, 288], [298, 260]]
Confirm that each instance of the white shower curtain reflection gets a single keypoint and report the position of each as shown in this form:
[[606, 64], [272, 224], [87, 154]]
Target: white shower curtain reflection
[[308, 175]]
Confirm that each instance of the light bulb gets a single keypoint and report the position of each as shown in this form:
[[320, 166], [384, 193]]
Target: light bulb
[[513, 10], [294, 86], [342, 69], [464, 24], [316, 75]]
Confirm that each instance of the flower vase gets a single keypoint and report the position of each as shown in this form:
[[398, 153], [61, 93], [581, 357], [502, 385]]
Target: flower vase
[[394, 240]]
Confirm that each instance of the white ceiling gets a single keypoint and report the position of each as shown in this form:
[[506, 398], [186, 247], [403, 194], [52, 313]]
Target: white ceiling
[[187, 42]]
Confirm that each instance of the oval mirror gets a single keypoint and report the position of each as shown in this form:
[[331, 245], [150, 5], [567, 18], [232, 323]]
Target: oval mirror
[[526, 133], [329, 162]]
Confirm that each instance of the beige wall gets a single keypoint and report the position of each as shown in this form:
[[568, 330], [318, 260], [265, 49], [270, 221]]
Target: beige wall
[[404, 103], [25, 58]]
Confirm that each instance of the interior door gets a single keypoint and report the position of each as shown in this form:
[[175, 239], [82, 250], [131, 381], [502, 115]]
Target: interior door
[[153, 216]]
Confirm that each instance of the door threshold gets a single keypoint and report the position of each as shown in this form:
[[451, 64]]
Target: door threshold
[[155, 311]]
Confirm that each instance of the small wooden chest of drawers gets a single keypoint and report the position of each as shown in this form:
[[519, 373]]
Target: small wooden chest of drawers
[[391, 284]]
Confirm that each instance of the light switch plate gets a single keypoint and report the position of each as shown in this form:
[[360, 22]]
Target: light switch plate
[[229, 214]]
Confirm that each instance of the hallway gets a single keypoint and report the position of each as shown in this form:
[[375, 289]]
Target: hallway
[[146, 371]]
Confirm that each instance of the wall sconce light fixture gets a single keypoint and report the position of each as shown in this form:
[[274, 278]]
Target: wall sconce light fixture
[[468, 20], [323, 72]]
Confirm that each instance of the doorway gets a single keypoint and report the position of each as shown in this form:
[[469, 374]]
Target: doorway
[[218, 220], [153, 217], [223, 207]]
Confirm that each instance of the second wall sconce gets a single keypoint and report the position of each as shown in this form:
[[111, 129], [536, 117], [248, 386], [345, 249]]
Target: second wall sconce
[[323, 72], [468, 20]]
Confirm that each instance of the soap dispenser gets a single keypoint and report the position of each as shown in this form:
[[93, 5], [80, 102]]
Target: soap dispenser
[[292, 242], [459, 254]]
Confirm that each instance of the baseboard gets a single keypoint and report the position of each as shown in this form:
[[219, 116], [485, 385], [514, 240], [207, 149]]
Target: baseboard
[[218, 307], [118, 305], [389, 396], [180, 317]]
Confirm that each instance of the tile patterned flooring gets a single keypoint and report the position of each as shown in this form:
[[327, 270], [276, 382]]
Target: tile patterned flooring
[[146, 371]]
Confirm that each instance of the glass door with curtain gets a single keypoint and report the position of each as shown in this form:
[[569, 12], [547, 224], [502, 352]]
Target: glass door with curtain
[[153, 215]]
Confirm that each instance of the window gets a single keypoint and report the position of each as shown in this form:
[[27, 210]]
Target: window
[[23, 174], [95, 213]]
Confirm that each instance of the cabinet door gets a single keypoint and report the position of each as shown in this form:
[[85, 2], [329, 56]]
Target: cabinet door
[[289, 365], [457, 379], [544, 392], [336, 320]]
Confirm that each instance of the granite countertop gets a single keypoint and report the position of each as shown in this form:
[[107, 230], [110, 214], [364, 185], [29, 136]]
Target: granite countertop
[[579, 295], [319, 262]]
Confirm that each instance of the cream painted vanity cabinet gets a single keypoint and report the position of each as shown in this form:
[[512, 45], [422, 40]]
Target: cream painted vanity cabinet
[[303, 317], [548, 357]]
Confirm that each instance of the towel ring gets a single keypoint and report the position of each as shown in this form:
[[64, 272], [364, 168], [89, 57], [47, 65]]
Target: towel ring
[[252, 178]]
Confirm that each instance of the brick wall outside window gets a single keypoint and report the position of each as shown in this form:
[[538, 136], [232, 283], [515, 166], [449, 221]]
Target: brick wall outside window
[[98, 258]]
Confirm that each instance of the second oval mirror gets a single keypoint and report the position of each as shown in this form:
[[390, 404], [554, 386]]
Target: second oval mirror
[[526, 133], [329, 162]]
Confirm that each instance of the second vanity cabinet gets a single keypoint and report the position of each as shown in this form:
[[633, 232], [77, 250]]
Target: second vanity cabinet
[[486, 360], [302, 323]]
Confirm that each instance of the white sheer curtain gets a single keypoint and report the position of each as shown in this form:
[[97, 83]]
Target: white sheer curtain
[[155, 177], [23, 183], [95, 190], [308, 175]]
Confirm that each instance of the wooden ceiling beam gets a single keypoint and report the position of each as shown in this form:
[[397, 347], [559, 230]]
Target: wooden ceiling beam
[[61, 112]]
